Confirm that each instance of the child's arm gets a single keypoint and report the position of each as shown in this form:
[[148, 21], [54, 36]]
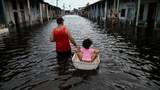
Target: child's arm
[[79, 53], [70, 37], [94, 55]]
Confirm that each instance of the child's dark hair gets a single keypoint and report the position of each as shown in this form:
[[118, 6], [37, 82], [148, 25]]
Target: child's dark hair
[[87, 43]]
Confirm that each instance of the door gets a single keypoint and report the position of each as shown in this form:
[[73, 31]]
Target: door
[[23, 17], [16, 18], [2, 21], [151, 15], [129, 14]]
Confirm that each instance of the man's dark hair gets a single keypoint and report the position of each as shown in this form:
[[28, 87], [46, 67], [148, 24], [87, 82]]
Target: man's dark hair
[[60, 20], [87, 43]]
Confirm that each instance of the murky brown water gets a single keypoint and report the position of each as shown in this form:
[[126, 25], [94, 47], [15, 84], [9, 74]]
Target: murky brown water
[[28, 61]]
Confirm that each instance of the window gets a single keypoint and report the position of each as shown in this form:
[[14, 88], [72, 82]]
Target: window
[[21, 5], [141, 12], [1, 13], [37, 5], [123, 12], [14, 6]]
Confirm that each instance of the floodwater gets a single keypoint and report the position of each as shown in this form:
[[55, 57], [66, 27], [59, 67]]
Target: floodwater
[[28, 61]]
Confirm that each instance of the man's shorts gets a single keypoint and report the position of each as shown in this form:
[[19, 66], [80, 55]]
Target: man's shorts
[[63, 55]]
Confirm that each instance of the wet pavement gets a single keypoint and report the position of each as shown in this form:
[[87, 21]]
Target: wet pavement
[[28, 60]]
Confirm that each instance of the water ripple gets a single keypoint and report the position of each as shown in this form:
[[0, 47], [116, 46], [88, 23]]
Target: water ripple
[[28, 61]]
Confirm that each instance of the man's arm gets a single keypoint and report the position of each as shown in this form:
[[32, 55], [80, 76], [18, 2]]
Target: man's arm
[[52, 38], [71, 38]]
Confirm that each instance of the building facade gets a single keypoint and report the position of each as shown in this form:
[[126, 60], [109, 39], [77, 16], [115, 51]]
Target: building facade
[[2, 15], [140, 13], [26, 12]]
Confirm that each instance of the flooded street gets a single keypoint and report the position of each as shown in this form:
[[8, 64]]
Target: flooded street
[[28, 61]]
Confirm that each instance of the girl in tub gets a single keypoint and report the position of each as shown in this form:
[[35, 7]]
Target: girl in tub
[[86, 53]]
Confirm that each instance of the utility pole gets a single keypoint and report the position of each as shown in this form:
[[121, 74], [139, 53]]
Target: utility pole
[[105, 15], [64, 8], [29, 12], [138, 11], [57, 3], [70, 7], [114, 4]]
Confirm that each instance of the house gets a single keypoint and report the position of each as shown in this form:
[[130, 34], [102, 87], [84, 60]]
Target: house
[[95, 11], [26, 12], [21, 12], [2, 16], [149, 14], [140, 13]]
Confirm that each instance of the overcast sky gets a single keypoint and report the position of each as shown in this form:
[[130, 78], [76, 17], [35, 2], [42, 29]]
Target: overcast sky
[[70, 4]]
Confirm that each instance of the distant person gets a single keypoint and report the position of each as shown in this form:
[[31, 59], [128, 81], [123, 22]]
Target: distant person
[[62, 38], [87, 54], [114, 19]]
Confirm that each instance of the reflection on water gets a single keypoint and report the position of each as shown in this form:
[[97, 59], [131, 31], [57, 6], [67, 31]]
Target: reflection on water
[[28, 60]]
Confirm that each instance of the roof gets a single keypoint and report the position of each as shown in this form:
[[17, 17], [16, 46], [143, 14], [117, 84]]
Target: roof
[[50, 4], [97, 2]]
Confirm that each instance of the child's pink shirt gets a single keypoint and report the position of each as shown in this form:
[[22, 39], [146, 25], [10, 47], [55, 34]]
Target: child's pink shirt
[[87, 54]]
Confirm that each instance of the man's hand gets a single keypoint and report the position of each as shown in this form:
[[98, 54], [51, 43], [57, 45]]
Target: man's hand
[[77, 49]]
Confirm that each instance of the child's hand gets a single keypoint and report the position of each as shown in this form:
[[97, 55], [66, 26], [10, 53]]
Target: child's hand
[[77, 48], [96, 51]]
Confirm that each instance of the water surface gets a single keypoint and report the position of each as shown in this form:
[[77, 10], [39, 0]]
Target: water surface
[[28, 61]]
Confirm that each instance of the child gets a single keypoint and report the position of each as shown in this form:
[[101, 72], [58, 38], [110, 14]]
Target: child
[[86, 53]]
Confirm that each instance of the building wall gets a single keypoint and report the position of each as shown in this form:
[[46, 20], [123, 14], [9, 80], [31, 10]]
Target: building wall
[[127, 10], [158, 16], [23, 14], [10, 12], [26, 12], [35, 13], [130, 9], [95, 11], [2, 21], [145, 13], [44, 13], [24, 17]]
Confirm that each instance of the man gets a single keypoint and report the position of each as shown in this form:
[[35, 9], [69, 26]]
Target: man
[[62, 37]]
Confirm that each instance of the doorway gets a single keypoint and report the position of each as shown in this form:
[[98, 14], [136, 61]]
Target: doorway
[[151, 15], [16, 18], [2, 21], [150, 21]]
